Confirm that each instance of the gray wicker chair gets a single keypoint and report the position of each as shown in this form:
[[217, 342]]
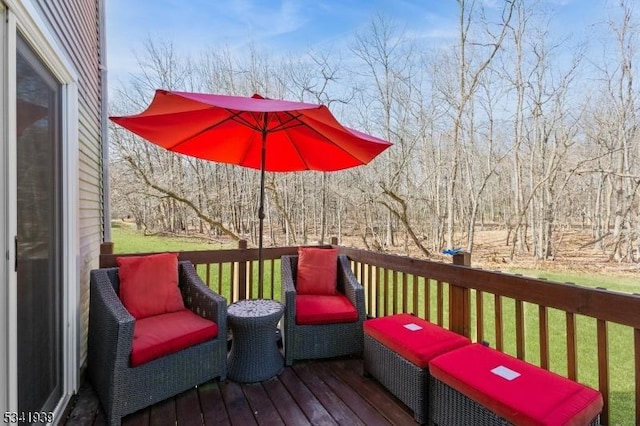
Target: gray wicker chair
[[326, 340], [123, 390]]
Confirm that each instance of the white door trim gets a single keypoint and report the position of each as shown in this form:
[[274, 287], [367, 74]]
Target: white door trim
[[23, 17], [4, 219]]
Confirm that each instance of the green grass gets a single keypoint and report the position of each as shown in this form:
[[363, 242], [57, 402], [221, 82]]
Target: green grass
[[623, 283], [126, 239], [219, 278]]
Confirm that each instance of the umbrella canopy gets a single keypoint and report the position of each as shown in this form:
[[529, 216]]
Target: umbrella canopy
[[264, 134]]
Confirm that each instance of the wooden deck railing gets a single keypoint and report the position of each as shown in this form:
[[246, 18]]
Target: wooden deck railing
[[565, 328]]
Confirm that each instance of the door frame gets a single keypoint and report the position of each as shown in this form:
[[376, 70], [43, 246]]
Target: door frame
[[23, 17]]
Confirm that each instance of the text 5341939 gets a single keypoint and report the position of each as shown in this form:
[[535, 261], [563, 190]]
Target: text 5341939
[[28, 417]]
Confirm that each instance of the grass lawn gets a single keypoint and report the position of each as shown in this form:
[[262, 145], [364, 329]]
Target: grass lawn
[[623, 283], [621, 355], [126, 239]]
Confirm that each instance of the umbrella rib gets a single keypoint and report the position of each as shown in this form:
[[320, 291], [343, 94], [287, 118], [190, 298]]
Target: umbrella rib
[[280, 127], [313, 129], [235, 116]]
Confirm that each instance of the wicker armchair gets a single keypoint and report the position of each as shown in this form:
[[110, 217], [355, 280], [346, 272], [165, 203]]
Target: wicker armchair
[[326, 340], [123, 389]]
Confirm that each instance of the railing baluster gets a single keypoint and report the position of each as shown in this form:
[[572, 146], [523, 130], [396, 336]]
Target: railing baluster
[[385, 273], [249, 285], [416, 294], [636, 351], [242, 273], [232, 282], [572, 367], [380, 291], [543, 324], [273, 278], [395, 292], [405, 294], [373, 309], [219, 290], [520, 351], [440, 302], [427, 298], [603, 369], [479, 316], [498, 322]]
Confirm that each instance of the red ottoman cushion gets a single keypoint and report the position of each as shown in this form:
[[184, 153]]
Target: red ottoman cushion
[[160, 335], [314, 309], [520, 392], [413, 338]]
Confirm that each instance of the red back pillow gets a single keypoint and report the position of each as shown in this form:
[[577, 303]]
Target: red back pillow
[[149, 284], [317, 270]]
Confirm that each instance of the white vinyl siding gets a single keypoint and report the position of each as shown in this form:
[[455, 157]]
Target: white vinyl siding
[[76, 25]]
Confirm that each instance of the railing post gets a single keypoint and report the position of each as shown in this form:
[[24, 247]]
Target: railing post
[[242, 273], [462, 258], [106, 248], [460, 300]]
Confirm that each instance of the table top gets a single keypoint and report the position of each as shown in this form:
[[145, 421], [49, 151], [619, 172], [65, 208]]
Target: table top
[[254, 308]]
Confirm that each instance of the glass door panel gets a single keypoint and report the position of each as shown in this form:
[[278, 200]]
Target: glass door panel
[[38, 233]]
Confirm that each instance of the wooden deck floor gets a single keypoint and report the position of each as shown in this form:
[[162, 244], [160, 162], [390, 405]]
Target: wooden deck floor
[[330, 392]]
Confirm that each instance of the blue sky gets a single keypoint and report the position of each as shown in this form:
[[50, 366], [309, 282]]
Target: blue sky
[[289, 27]]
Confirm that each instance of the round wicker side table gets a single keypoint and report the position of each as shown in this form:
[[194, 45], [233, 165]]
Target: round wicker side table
[[254, 354]]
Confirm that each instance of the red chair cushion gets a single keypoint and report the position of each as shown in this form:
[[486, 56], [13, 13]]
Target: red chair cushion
[[323, 309], [149, 284], [536, 397], [160, 335], [417, 346], [317, 270]]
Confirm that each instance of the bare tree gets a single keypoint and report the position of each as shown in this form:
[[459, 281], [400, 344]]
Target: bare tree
[[475, 51]]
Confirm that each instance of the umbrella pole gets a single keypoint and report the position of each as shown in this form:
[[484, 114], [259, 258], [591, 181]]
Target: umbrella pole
[[263, 155]]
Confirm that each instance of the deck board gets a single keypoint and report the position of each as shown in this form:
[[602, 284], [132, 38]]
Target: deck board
[[212, 405], [341, 413], [188, 407], [263, 408], [332, 392], [290, 412], [350, 397], [313, 409]]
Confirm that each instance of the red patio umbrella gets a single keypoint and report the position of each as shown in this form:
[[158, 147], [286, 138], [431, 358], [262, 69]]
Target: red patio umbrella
[[264, 134]]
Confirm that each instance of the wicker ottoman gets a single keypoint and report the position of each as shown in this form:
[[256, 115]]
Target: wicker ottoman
[[477, 385], [397, 351]]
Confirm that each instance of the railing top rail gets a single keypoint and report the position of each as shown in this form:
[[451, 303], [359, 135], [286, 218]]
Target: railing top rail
[[197, 257]]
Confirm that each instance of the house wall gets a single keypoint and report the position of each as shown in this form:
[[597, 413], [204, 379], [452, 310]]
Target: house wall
[[77, 26]]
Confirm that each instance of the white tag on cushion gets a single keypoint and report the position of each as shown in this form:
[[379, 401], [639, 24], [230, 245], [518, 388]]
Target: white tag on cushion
[[412, 327], [505, 373]]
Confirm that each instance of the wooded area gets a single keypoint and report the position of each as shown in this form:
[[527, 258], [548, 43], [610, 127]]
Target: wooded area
[[508, 126]]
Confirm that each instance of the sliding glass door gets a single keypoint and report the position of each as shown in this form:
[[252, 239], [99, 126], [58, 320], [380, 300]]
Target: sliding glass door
[[39, 233]]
